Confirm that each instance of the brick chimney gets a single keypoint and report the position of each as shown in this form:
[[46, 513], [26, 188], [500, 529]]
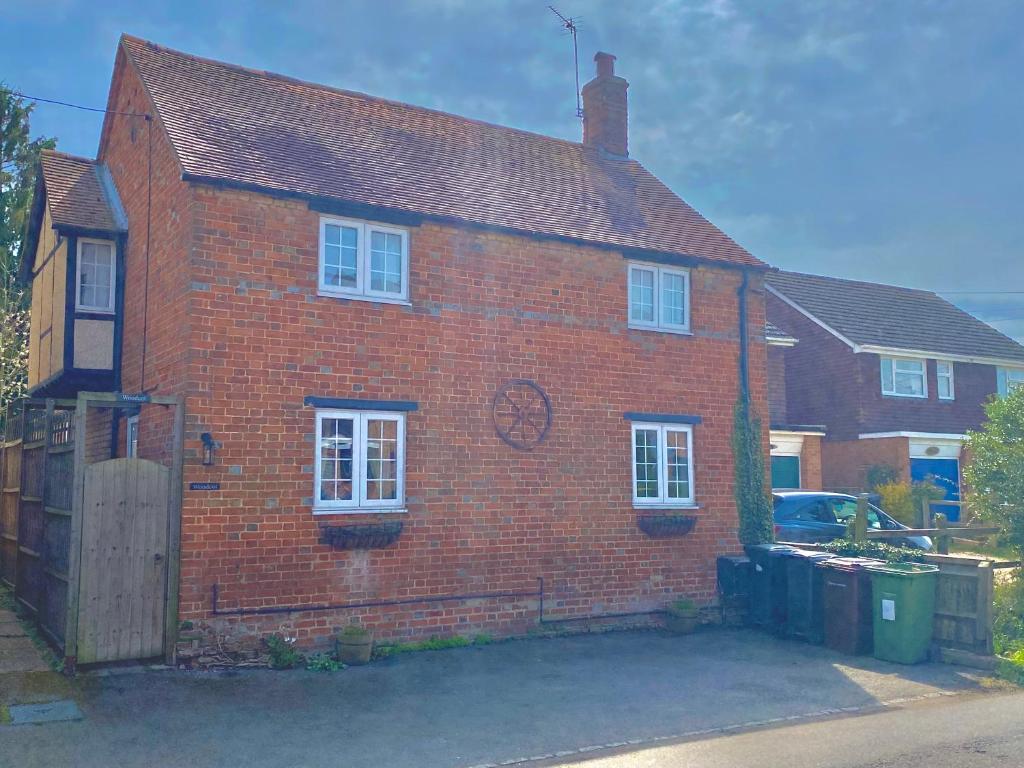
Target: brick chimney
[[604, 109]]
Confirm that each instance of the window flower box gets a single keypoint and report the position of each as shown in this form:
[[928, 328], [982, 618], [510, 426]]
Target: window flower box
[[370, 536], [663, 526]]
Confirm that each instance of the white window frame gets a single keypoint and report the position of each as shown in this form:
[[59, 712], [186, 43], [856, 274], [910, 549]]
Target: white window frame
[[663, 501], [362, 288], [79, 306], [658, 324], [939, 376], [1009, 380], [358, 503], [889, 387], [131, 430]]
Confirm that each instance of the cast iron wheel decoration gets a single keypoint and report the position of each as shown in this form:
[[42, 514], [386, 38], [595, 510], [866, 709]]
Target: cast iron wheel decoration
[[522, 414]]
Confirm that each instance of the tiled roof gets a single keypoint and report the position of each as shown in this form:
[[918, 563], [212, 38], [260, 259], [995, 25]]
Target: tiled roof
[[75, 192], [890, 316], [249, 127]]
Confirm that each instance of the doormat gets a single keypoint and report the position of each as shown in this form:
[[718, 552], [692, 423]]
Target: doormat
[[51, 712]]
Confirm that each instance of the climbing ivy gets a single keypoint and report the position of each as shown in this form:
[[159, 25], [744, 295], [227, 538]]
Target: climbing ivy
[[752, 499]]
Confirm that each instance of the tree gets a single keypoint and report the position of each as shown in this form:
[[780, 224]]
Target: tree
[[995, 471], [19, 154]]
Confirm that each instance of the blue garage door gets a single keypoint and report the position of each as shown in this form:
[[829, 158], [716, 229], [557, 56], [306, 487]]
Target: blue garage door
[[945, 473]]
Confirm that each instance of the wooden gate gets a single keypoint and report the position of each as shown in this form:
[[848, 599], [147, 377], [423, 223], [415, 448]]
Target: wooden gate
[[123, 571], [90, 542]]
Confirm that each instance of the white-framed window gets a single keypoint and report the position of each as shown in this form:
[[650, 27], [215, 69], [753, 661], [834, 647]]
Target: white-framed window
[[944, 379], [131, 436], [360, 461], [659, 297], [94, 275], [1009, 379], [904, 377], [662, 465], [359, 259]]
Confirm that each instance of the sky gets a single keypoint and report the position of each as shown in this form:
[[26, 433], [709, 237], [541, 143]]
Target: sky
[[872, 140]]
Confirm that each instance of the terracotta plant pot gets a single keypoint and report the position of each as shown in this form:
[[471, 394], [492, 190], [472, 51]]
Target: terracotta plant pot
[[354, 648]]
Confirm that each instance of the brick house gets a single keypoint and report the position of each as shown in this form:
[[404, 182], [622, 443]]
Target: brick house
[[499, 351], [895, 376]]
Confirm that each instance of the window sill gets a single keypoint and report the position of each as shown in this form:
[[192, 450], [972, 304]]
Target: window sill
[[663, 507], [905, 397], [363, 297], [321, 512], [657, 329]]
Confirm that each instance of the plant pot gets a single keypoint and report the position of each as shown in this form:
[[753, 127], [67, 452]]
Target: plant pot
[[354, 650], [681, 623]]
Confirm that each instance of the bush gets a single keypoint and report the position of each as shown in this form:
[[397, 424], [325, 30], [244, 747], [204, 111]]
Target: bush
[[875, 549], [897, 500], [881, 474], [282, 653], [902, 500], [1008, 617], [995, 473], [753, 501]]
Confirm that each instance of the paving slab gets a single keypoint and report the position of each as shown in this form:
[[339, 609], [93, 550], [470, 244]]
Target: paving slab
[[59, 711], [19, 654]]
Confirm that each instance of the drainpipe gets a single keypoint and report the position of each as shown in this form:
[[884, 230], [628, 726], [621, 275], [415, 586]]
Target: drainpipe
[[741, 293]]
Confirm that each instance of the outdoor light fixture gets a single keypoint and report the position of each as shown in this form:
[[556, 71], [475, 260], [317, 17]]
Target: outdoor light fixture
[[209, 445]]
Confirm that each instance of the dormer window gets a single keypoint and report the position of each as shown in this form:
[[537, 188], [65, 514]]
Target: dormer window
[[94, 285]]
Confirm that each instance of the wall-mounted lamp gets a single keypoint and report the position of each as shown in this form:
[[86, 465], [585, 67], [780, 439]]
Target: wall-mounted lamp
[[209, 446]]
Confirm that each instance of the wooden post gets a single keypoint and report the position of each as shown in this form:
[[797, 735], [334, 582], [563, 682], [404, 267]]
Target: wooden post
[[942, 538], [75, 549], [174, 534], [860, 522], [924, 513]]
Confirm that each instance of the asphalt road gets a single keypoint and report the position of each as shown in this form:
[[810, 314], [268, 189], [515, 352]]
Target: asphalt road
[[955, 732]]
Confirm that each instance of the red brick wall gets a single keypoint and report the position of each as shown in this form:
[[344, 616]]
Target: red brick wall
[[845, 462], [810, 463], [482, 517], [777, 385], [972, 385]]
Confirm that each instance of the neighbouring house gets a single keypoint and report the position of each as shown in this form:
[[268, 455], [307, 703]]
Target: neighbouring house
[[433, 367], [795, 449], [895, 376]]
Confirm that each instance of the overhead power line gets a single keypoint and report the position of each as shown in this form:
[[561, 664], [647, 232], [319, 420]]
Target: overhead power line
[[79, 106]]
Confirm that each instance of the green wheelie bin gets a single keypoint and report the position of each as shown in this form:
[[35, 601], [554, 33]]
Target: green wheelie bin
[[903, 608]]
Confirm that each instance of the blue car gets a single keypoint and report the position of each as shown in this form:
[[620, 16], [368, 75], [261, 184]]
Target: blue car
[[815, 517]]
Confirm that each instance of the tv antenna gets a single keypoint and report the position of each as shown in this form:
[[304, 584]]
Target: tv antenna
[[571, 26]]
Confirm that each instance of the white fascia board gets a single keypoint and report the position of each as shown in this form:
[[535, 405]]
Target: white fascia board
[[809, 316], [949, 436], [795, 432], [876, 349]]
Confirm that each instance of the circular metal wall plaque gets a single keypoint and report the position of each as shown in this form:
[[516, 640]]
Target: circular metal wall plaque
[[522, 414]]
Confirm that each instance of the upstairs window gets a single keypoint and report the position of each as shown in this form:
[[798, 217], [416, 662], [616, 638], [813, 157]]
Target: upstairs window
[[94, 281], [1010, 379], [944, 376], [659, 298], [363, 260], [904, 377], [662, 465], [360, 461]]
